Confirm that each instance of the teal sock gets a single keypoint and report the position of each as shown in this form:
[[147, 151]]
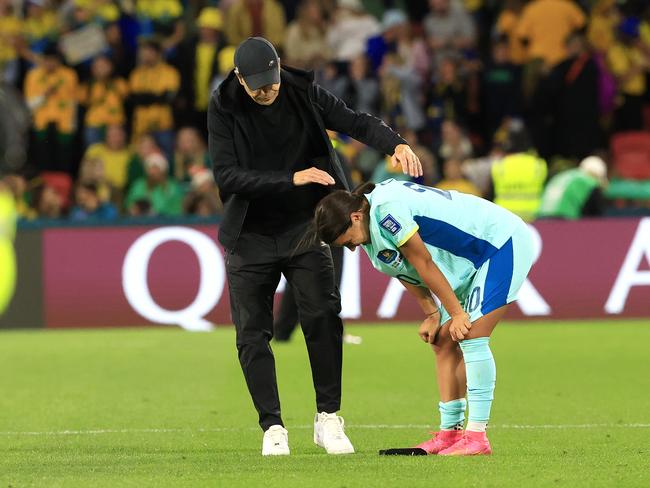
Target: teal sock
[[452, 414], [481, 377]]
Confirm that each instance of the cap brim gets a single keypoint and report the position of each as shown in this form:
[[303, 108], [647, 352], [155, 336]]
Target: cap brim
[[258, 80]]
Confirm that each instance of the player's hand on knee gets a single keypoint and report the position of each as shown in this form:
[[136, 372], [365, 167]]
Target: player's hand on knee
[[312, 175], [428, 329], [460, 326]]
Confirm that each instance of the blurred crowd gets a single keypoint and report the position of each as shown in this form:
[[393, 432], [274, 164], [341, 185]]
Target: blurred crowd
[[103, 102]]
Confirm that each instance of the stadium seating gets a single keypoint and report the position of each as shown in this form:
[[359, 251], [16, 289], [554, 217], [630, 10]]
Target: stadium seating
[[631, 154]]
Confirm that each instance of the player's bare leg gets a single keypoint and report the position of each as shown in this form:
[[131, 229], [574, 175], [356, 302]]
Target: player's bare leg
[[484, 326], [450, 368], [481, 378], [450, 372]]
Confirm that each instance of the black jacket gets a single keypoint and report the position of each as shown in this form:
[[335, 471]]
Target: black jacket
[[230, 146]]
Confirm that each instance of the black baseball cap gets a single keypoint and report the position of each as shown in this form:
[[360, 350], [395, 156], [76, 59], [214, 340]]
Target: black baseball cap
[[257, 62]]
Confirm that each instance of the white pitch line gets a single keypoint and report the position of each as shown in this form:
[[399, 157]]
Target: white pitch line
[[304, 427]]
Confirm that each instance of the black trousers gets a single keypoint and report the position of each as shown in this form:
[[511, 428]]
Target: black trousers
[[253, 269], [287, 317]]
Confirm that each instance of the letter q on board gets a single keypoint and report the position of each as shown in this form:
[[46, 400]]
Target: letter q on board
[[212, 278]]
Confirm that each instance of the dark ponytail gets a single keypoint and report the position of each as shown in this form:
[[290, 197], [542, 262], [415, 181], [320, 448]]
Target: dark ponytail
[[332, 216], [364, 188]]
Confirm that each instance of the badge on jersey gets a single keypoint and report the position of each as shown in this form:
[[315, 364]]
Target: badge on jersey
[[390, 257], [390, 224], [387, 256]]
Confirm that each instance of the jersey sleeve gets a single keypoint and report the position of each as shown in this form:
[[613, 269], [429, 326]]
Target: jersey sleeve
[[396, 222]]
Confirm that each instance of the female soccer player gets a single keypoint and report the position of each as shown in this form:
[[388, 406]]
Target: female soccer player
[[472, 254]]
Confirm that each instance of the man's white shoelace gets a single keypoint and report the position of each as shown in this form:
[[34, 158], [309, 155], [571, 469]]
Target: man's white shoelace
[[277, 437], [334, 427]]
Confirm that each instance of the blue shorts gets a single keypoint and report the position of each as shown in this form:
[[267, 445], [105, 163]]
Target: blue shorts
[[497, 282]]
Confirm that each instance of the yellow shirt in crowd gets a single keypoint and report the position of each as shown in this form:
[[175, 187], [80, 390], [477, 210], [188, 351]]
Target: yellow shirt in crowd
[[644, 33], [601, 32], [546, 24], [116, 163], [105, 102], [52, 98], [507, 24], [621, 60], [205, 54], [604, 20], [159, 9], [10, 28], [153, 80], [105, 10], [37, 28], [239, 24]]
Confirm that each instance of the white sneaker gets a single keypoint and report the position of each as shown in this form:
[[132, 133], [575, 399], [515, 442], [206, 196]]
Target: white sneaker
[[276, 441], [352, 339], [328, 433]]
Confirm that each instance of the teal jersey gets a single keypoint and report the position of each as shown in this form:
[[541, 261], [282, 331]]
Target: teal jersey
[[460, 231]]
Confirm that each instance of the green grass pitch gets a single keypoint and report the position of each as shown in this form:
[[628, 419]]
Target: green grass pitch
[[162, 407]]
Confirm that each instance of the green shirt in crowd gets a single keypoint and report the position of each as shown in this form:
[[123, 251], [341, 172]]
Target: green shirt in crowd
[[166, 199], [566, 194]]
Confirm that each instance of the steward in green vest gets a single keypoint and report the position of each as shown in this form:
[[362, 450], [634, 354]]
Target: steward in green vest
[[576, 193]]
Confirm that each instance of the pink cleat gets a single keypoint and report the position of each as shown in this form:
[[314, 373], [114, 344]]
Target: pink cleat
[[441, 440], [471, 444]]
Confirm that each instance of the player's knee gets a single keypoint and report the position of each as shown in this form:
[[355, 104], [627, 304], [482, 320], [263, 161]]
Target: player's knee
[[444, 344], [448, 350]]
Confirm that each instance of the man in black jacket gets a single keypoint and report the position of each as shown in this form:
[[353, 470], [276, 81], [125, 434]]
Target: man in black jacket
[[273, 162]]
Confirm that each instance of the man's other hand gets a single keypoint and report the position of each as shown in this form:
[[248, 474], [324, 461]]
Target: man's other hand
[[312, 175]]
